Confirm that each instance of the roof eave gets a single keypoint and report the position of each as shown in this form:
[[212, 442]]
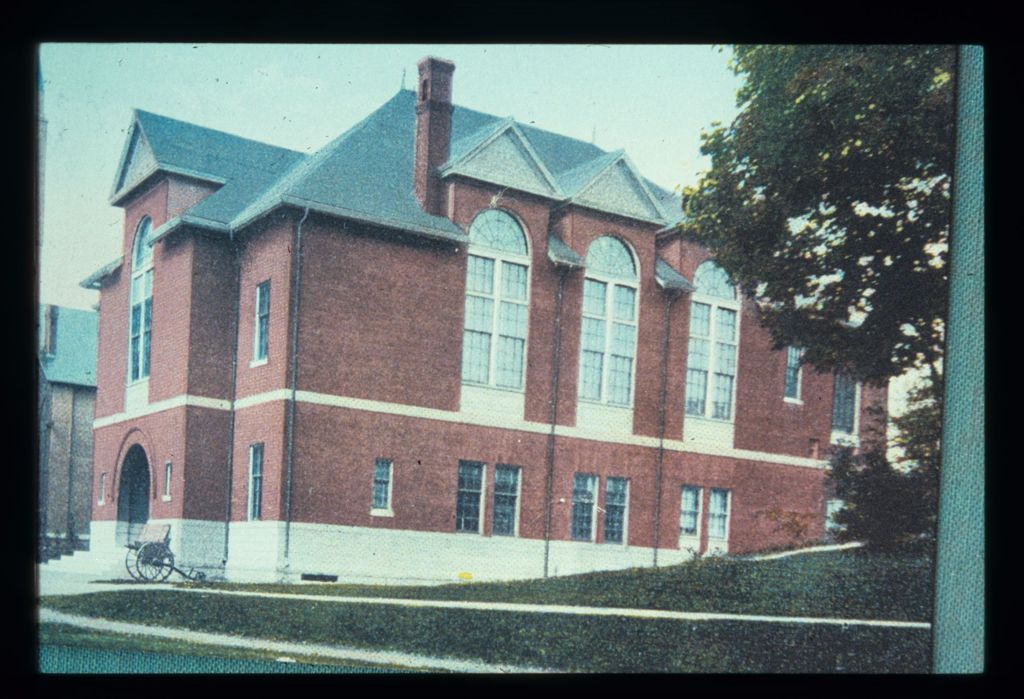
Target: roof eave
[[669, 279], [352, 214], [124, 192], [561, 254], [95, 280]]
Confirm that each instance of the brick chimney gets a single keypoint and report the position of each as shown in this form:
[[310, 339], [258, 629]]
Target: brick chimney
[[433, 130]]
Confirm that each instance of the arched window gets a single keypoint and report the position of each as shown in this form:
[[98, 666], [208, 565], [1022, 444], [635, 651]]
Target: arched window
[[141, 303], [608, 331], [497, 286], [714, 337]]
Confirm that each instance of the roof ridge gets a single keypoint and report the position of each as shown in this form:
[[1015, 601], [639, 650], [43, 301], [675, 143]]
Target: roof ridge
[[210, 129]]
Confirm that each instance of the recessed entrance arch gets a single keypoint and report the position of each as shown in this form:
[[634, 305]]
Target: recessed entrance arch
[[132, 495]]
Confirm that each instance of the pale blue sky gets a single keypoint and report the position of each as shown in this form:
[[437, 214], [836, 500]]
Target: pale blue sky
[[652, 101]]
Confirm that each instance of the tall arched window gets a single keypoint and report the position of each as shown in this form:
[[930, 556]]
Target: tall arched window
[[497, 291], [714, 337], [141, 303], [608, 331]]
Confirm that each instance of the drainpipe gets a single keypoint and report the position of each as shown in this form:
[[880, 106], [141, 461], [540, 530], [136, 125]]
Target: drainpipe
[[237, 258], [553, 415], [661, 423], [70, 521], [293, 373]]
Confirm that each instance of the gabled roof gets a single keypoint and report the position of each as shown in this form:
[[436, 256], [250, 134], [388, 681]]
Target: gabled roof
[[365, 174], [74, 361], [242, 165]]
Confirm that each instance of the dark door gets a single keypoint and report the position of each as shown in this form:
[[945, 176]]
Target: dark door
[[133, 495]]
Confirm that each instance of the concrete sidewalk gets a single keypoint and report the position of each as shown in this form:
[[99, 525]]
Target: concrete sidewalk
[[283, 648]]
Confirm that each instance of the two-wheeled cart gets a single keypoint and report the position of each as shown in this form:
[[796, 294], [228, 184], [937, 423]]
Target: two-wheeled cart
[[149, 557]]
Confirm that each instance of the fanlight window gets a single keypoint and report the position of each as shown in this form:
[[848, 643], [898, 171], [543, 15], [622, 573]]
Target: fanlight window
[[608, 331], [140, 318], [711, 280], [496, 230], [714, 339], [497, 281]]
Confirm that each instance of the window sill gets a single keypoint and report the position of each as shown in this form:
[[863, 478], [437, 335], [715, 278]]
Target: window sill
[[257, 362], [793, 401], [382, 512], [494, 388], [166, 498], [844, 439], [715, 420], [610, 406]]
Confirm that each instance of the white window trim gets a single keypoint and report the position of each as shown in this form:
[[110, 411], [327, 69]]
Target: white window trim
[[700, 512], [140, 272], [609, 299], [389, 510], [728, 515], [737, 306], [483, 500], [256, 360], [798, 399], [852, 438], [519, 500], [168, 471], [498, 257], [249, 497], [625, 513]]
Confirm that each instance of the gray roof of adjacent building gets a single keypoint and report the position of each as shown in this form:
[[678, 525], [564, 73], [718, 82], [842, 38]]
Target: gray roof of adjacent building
[[74, 358]]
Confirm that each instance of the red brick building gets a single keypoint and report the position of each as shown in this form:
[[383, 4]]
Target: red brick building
[[446, 343]]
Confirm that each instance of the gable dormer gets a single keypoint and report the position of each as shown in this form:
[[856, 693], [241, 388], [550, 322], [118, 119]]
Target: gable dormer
[[618, 188], [502, 155]]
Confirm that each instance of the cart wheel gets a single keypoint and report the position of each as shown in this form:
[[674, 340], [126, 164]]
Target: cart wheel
[[131, 563], [155, 561]]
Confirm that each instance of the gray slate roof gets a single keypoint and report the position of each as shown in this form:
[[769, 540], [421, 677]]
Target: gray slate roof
[[75, 358], [366, 173]]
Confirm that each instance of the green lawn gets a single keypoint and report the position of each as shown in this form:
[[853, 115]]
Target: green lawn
[[848, 584]]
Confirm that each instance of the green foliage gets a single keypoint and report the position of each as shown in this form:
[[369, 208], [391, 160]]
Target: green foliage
[[889, 504], [828, 200]]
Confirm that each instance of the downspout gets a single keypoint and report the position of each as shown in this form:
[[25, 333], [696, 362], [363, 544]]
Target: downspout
[[293, 374], [661, 423], [553, 416], [236, 254]]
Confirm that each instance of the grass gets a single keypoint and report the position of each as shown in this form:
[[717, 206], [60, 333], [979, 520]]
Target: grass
[[66, 635], [852, 584], [849, 584], [592, 644]]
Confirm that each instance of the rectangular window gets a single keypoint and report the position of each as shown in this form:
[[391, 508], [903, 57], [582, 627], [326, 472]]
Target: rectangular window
[[167, 480], [793, 372], [495, 322], [469, 499], [844, 399], [832, 508], [382, 469], [689, 511], [711, 358], [699, 359], [607, 342], [140, 325], [718, 514], [506, 500], [616, 496], [261, 321], [103, 488], [584, 492], [255, 481]]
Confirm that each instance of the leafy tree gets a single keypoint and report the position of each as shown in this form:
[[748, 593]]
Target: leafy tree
[[828, 200], [889, 503]]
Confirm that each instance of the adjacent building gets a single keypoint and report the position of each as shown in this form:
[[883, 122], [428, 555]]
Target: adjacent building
[[447, 345], [67, 396]]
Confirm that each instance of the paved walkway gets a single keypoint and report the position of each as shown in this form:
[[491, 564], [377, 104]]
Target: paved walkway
[[284, 648], [568, 609]]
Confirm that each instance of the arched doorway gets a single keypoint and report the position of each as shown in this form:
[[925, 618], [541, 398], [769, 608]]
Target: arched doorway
[[132, 495]]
